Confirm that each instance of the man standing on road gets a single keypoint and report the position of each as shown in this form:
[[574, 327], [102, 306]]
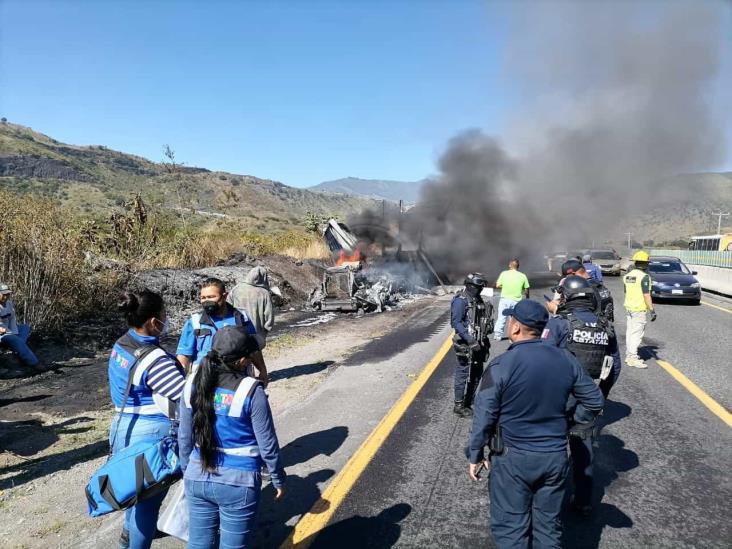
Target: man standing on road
[[591, 339], [14, 336], [472, 320], [592, 269], [254, 297], [638, 303], [521, 409], [514, 287], [603, 297], [198, 331]]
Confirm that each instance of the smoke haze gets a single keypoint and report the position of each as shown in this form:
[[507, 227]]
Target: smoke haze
[[615, 98]]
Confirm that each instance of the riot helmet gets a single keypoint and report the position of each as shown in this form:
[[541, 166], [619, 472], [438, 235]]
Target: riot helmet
[[474, 284], [578, 290]]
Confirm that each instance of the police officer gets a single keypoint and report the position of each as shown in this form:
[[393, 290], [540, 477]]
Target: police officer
[[638, 304], [198, 331], [593, 270], [591, 339], [603, 296], [472, 320], [521, 409]]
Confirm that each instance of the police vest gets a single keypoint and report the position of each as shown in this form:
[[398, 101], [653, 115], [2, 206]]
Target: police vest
[[142, 400], [634, 301], [478, 317], [588, 342], [204, 332], [233, 430]]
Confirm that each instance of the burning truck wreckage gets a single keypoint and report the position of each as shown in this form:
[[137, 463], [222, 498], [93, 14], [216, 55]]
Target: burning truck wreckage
[[370, 277]]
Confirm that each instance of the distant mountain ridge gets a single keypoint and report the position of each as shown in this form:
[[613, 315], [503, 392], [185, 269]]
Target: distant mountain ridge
[[377, 189], [96, 180]]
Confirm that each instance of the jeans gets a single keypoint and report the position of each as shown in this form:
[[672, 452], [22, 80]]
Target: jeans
[[526, 490], [221, 515], [17, 344], [141, 519], [503, 304], [634, 330]]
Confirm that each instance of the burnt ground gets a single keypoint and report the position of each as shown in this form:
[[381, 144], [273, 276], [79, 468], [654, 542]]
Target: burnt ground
[[54, 427]]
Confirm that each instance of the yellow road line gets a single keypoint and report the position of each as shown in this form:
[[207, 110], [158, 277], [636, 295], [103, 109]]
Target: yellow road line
[[321, 512], [717, 307], [716, 408]]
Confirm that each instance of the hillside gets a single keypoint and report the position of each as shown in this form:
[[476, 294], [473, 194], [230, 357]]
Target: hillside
[[95, 179], [685, 208], [373, 188]]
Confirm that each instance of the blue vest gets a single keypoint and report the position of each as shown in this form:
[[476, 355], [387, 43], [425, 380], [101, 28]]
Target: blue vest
[[234, 437], [204, 329], [141, 400]]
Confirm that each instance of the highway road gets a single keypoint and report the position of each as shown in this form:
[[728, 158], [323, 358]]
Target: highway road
[[663, 469]]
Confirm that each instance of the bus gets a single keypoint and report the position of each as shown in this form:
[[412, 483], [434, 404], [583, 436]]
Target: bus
[[712, 243]]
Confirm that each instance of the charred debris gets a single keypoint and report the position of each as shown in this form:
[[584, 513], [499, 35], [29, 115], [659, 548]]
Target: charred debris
[[370, 276]]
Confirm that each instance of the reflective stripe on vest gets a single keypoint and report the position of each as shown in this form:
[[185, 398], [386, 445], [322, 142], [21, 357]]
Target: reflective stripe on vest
[[243, 391], [162, 404], [242, 451], [634, 301]]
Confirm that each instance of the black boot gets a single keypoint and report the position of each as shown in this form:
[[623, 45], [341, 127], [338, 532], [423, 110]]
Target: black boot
[[462, 411]]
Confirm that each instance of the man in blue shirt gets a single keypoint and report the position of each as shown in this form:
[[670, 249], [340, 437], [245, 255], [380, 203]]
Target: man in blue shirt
[[472, 320], [198, 331], [593, 270], [521, 408]]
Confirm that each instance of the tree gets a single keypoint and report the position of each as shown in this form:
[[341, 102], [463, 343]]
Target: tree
[[170, 164]]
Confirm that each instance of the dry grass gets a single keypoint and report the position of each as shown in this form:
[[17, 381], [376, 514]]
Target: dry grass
[[317, 249]]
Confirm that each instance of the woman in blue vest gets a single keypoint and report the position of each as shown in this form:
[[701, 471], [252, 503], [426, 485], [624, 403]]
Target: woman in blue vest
[[226, 434], [154, 390]]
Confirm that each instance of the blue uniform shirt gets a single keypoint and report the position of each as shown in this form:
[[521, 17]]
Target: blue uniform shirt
[[593, 270], [198, 345], [525, 390], [557, 330], [459, 318]]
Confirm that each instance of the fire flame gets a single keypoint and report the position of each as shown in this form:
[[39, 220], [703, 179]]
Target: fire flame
[[344, 257]]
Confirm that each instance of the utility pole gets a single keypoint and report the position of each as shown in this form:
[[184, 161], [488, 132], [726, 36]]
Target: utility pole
[[629, 235], [720, 215]]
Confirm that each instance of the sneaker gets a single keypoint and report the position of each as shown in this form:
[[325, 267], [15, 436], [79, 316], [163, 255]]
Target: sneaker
[[637, 363], [12, 373]]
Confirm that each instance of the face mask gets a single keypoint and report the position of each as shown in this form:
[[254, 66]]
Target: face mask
[[210, 307], [473, 291], [165, 328]]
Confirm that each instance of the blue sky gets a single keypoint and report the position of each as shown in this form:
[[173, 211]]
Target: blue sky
[[299, 92]]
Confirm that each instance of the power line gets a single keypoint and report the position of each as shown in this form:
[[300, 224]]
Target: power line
[[720, 215]]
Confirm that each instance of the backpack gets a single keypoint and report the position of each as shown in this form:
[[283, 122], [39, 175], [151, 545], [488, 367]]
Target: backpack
[[137, 472], [588, 342]]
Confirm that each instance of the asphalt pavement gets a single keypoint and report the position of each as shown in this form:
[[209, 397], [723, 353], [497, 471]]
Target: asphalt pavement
[[662, 469]]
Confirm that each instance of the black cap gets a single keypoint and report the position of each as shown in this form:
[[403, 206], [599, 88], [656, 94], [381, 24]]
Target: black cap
[[529, 313], [233, 343], [571, 266]]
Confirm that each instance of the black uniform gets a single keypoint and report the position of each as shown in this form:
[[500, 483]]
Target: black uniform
[[472, 320]]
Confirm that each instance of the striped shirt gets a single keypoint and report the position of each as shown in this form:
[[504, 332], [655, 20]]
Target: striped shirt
[[165, 377]]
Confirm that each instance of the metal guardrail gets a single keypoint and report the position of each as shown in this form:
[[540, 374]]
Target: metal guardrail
[[698, 257]]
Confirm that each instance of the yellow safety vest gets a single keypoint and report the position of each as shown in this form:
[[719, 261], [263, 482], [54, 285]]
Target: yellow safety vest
[[634, 301]]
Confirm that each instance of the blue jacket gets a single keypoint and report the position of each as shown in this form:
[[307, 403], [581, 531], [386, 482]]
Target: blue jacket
[[459, 317], [525, 391], [593, 270], [557, 330]]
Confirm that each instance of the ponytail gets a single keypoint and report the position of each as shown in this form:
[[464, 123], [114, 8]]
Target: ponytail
[[204, 417]]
